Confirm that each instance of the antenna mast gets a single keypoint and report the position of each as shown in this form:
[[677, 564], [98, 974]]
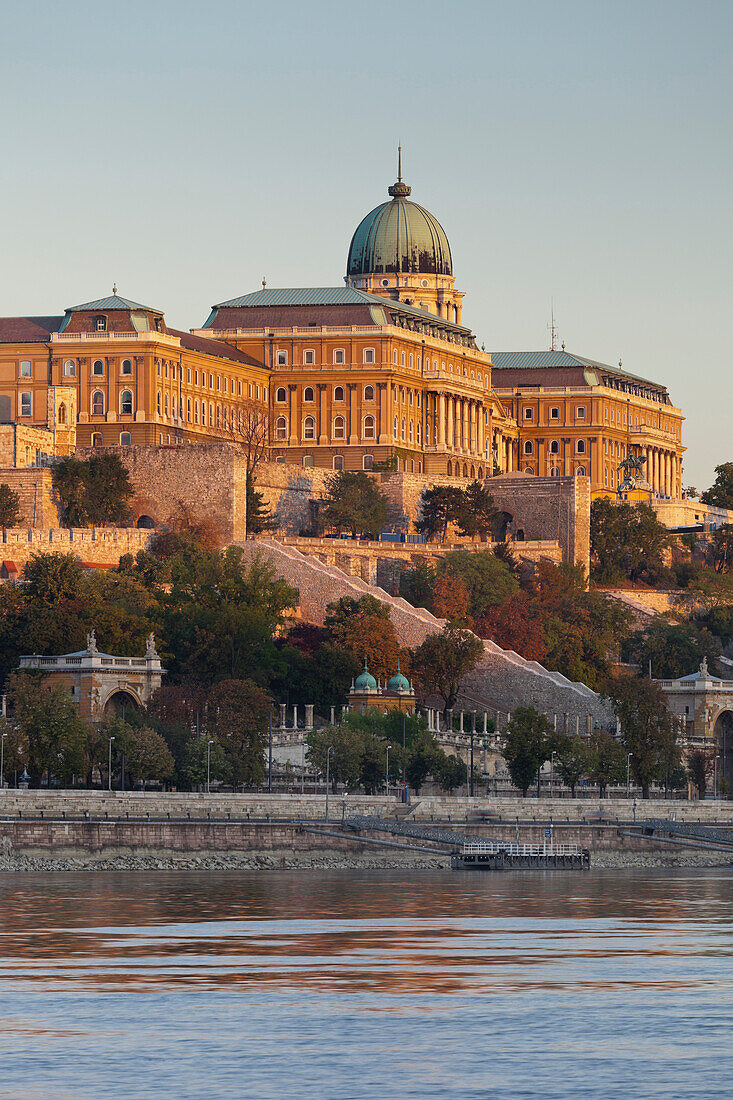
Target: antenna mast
[[552, 326]]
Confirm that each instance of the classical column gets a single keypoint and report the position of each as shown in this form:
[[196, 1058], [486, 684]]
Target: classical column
[[464, 425], [668, 473], [322, 413], [293, 417], [441, 420], [354, 426], [383, 432], [451, 421], [481, 440]]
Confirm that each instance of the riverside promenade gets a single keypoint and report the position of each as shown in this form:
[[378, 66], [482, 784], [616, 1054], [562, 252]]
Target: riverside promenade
[[131, 830]]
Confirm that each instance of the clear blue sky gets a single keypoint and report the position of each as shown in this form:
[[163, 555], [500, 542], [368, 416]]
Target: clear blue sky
[[580, 151]]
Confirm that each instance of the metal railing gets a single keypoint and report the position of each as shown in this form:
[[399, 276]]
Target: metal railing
[[494, 847]]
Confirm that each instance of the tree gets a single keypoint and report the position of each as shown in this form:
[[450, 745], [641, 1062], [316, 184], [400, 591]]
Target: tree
[[438, 507], [450, 771], [353, 503], [672, 649], [250, 429], [199, 763], [700, 763], [528, 741], [516, 624], [417, 584], [221, 615], [649, 730], [443, 660], [606, 760], [722, 547], [347, 743], [423, 760], [53, 733], [238, 712], [720, 493], [9, 506], [451, 600], [478, 514], [15, 752], [626, 541], [573, 759], [94, 491], [489, 580], [259, 517], [364, 628]]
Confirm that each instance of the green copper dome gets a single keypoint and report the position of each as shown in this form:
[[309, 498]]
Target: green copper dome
[[398, 681], [365, 681], [399, 236]]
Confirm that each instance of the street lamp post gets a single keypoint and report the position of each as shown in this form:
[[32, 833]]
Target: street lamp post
[[269, 757], [553, 754], [404, 754], [208, 766], [473, 733], [628, 771], [328, 774], [387, 775], [2, 762], [715, 776], [109, 769]]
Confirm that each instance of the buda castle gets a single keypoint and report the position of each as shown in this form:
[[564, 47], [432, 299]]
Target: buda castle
[[378, 373]]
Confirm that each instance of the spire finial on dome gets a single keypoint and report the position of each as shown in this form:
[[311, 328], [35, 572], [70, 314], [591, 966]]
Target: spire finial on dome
[[399, 190]]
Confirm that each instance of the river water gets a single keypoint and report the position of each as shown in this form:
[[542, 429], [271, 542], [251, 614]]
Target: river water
[[367, 984]]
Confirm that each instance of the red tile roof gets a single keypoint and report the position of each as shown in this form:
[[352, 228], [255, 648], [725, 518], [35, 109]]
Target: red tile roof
[[27, 330], [214, 347], [10, 567], [268, 317]]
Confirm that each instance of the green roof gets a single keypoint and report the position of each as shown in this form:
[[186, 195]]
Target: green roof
[[114, 301], [328, 296], [539, 360]]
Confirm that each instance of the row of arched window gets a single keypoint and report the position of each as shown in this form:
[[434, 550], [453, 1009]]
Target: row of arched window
[[554, 447], [97, 367], [338, 428]]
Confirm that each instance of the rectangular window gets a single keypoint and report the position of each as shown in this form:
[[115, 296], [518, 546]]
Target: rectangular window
[[218, 382], [554, 414], [339, 356], [309, 358], [258, 393], [196, 377], [394, 357], [26, 405], [368, 355], [240, 388], [188, 376], [25, 369], [580, 413], [250, 389], [529, 414], [281, 358]]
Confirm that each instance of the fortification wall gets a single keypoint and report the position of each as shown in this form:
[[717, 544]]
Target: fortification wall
[[38, 503], [289, 490], [91, 545]]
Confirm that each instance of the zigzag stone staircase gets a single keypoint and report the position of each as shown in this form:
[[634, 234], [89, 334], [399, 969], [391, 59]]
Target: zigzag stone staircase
[[503, 680]]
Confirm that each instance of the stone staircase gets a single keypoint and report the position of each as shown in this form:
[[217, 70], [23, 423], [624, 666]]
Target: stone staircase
[[503, 680]]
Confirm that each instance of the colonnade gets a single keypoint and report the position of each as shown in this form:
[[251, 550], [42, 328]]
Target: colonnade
[[455, 424], [662, 471]]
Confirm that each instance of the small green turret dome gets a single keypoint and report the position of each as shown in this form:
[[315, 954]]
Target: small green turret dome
[[365, 681], [398, 681]]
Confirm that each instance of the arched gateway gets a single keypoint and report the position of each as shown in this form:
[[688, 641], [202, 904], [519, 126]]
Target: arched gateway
[[703, 705]]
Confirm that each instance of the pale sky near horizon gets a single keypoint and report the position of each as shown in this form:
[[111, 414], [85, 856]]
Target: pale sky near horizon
[[572, 151]]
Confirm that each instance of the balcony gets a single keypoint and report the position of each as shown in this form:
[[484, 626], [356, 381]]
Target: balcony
[[111, 337]]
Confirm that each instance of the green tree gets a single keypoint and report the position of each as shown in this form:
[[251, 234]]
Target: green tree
[[347, 743], [53, 733], [259, 517], [94, 491], [699, 767], [198, 764], [528, 741], [573, 760], [221, 616], [417, 584], [353, 503], [720, 493], [147, 756], [649, 730], [15, 752], [443, 660], [721, 547], [438, 507], [627, 541], [9, 506], [673, 649], [424, 759], [478, 515], [450, 771], [606, 761], [489, 581], [238, 714]]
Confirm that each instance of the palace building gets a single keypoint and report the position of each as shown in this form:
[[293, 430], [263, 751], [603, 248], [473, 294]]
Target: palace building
[[379, 373]]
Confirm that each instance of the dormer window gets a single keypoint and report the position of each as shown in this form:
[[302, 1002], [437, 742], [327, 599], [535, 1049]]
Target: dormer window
[[100, 323]]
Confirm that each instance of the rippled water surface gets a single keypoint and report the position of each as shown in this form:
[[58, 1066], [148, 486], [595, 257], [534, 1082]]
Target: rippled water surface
[[366, 984]]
